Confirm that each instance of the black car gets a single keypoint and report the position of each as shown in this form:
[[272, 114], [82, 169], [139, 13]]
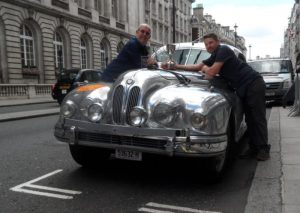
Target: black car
[[69, 79], [86, 76]]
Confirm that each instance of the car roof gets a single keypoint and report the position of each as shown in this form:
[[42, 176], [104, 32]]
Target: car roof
[[269, 59], [93, 70], [197, 45]]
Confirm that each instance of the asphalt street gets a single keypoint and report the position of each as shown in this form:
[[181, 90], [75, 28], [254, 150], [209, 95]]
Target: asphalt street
[[34, 158]]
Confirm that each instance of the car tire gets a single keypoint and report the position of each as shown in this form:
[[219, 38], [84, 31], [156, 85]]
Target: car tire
[[59, 100], [217, 166], [89, 156]]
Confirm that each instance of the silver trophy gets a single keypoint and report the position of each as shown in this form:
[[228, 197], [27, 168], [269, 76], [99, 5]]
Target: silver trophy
[[170, 50]]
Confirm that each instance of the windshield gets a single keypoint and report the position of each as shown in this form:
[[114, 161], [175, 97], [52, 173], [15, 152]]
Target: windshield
[[68, 75], [272, 66], [184, 56]]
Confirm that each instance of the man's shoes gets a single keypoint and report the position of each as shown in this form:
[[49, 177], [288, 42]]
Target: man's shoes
[[248, 154], [263, 154]]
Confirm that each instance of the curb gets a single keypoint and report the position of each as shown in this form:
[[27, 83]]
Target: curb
[[8, 103], [265, 192], [28, 114]]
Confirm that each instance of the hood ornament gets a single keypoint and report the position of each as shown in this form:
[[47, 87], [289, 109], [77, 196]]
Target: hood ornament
[[129, 81]]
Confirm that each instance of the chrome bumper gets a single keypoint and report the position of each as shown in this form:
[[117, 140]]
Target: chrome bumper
[[174, 141]]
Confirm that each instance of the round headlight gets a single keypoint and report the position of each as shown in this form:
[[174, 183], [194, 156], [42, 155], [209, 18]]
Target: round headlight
[[164, 114], [198, 120], [95, 112], [137, 116], [68, 109]]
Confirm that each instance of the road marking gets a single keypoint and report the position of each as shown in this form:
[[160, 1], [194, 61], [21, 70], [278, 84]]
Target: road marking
[[153, 210], [170, 207], [22, 188]]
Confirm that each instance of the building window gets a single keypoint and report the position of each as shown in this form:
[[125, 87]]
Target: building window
[[80, 3], [147, 5], [58, 51], [154, 7], [103, 55], [83, 54], [120, 47], [27, 47], [99, 6], [114, 9], [160, 12], [166, 15]]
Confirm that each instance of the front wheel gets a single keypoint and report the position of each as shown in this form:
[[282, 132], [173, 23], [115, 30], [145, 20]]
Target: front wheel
[[217, 165], [89, 156]]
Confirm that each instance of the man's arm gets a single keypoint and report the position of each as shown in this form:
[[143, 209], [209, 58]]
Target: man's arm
[[191, 67], [213, 70]]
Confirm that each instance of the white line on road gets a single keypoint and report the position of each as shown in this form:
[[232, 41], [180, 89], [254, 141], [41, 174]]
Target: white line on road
[[176, 208], [47, 194], [153, 210], [29, 184]]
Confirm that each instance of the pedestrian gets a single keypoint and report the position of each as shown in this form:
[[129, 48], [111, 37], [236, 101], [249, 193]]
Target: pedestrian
[[248, 85], [134, 55]]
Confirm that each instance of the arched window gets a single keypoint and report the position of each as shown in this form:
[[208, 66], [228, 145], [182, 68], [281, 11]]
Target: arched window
[[27, 47], [103, 56], [58, 51], [120, 47], [83, 54]]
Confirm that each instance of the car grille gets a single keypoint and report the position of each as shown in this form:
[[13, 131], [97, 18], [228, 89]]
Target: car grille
[[122, 140], [119, 103], [272, 86]]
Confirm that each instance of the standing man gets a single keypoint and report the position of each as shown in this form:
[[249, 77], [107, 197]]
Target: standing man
[[249, 86], [134, 55]]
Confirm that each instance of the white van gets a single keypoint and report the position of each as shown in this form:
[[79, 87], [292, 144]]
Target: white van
[[278, 75]]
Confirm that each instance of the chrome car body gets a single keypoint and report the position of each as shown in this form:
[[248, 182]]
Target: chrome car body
[[155, 112]]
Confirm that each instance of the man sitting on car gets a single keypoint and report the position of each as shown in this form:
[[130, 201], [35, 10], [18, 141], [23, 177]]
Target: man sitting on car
[[131, 56]]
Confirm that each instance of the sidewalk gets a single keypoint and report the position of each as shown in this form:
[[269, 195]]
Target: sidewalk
[[27, 114], [276, 184]]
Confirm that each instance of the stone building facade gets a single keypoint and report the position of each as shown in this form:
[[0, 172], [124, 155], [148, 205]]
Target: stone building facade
[[38, 37], [291, 47], [204, 23]]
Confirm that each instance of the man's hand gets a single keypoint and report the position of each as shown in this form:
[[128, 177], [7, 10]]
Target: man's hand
[[168, 65], [151, 61]]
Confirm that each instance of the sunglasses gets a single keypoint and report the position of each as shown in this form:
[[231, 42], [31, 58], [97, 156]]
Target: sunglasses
[[145, 32]]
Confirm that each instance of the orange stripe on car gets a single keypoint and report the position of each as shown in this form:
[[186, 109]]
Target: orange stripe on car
[[89, 87]]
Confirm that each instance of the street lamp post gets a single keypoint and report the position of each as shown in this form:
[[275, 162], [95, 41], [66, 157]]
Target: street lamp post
[[173, 14], [235, 34], [250, 52]]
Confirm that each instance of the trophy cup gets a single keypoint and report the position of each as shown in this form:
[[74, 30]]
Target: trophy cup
[[170, 50]]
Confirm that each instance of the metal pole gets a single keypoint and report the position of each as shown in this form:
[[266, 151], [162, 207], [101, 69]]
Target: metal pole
[[235, 34], [250, 52], [173, 13]]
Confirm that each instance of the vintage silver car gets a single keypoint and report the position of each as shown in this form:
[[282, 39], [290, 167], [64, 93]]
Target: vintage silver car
[[152, 111]]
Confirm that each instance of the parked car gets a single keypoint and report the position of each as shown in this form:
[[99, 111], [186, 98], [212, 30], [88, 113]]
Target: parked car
[[278, 75], [87, 76], [157, 112], [71, 78]]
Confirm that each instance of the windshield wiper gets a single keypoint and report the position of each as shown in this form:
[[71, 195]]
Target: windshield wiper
[[180, 77]]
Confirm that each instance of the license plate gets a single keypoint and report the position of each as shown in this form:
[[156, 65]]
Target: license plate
[[63, 91], [270, 93], [128, 155]]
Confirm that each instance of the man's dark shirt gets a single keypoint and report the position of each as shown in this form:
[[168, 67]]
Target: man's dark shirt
[[129, 58], [238, 73]]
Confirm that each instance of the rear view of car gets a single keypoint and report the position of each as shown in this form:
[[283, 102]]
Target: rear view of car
[[64, 84], [87, 76], [278, 75]]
